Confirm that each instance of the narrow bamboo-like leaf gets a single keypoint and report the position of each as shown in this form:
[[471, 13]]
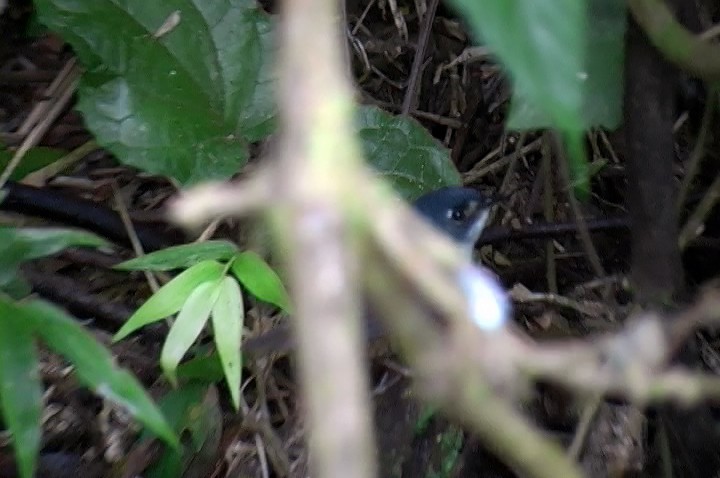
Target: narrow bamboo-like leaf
[[188, 325], [171, 297], [227, 317], [44, 241], [260, 280], [95, 367], [181, 257], [20, 387], [23, 244]]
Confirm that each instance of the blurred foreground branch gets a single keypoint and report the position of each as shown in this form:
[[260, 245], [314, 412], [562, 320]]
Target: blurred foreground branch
[[330, 216]]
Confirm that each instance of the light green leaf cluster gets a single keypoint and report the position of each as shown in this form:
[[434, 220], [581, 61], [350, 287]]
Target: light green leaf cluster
[[208, 290]]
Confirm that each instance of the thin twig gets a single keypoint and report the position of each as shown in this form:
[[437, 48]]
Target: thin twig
[[583, 232], [66, 89], [695, 223], [698, 152], [548, 202], [419, 59]]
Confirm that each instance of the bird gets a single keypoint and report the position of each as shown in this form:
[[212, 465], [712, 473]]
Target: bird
[[460, 213]]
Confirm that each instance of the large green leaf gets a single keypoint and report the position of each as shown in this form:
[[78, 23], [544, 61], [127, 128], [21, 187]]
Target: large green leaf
[[542, 43], [543, 46], [20, 387], [602, 93], [184, 104], [187, 103], [94, 365], [403, 152]]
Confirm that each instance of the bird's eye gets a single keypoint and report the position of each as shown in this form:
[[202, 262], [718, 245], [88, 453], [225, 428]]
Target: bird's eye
[[457, 214]]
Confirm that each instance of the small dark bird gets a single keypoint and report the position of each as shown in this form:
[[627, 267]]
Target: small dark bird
[[461, 213]]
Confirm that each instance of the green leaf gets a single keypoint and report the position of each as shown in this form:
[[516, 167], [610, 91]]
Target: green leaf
[[34, 159], [260, 279], [40, 241], [171, 297], [94, 365], [20, 387], [23, 244], [604, 57], [402, 151], [227, 318], [187, 327], [185, 104], [193, 408], [180, 257], [16, 288], [205, 368], [543, 45]]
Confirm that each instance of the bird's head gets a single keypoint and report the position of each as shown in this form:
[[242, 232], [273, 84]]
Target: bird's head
[[461, 213]]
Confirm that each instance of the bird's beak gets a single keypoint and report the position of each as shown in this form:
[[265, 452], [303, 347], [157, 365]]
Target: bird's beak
[[478, 215], [478, 225]]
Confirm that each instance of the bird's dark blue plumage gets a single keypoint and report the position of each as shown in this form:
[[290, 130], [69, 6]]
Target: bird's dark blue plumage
[[461, 213]]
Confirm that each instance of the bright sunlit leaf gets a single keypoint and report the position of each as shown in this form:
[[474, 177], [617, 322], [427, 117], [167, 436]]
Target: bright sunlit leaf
[[189, 323], [227, 318], [260, 279], [171, 297]]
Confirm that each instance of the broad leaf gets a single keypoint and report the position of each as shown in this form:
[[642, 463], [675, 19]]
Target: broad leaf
[[206, 368], [602, 93], [192, 410], [184, 102], [543, 45], [227, 318], [403, 152], [187, 103], [187, 327], [171, 297], [20, 387], [260, 279], [180, 257], [95, 366]]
